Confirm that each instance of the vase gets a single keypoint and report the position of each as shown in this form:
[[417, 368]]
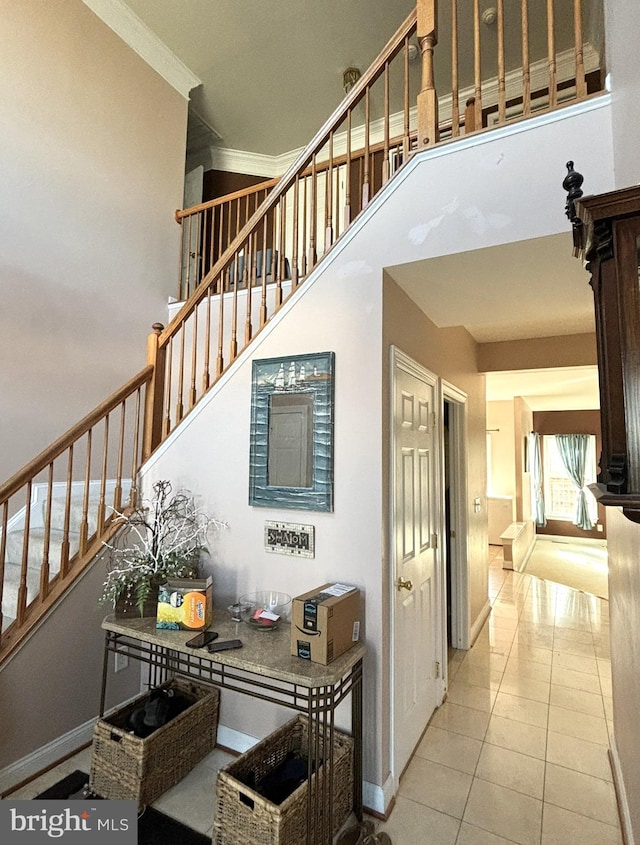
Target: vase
[[126, 608]]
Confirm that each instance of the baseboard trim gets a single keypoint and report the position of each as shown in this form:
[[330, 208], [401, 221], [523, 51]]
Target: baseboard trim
[[46, 756], [376, 799], [621, 794]]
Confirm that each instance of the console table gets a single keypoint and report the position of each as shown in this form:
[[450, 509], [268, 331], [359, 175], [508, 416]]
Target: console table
[[263, 668]]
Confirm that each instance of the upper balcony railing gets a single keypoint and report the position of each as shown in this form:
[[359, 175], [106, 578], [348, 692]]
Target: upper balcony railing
[[451, 70]]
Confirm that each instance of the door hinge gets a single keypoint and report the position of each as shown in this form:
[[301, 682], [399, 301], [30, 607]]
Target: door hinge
[[433, 419], [436, 669], [434, 541]]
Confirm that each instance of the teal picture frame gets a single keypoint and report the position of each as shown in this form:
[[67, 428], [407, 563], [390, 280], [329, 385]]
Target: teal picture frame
[[292, 432]]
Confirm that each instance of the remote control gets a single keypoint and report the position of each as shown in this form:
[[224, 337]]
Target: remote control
[[224, 645]]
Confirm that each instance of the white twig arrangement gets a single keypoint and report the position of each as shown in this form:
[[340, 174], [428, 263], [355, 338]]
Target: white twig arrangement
[[161, 538]]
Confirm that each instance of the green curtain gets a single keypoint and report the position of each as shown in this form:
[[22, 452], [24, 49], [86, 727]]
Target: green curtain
[[535, 468], [573, 451]]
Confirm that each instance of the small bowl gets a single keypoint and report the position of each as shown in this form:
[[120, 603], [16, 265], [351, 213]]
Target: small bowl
[[265, 609]]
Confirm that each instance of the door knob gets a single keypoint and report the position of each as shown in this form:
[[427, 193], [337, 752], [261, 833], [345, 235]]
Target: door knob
[[404, 585]]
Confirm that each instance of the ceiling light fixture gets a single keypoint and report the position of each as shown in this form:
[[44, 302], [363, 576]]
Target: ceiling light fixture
[[489, 16], [349, 78]]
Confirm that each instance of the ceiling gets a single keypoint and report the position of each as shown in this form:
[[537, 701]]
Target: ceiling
[[271, 73]]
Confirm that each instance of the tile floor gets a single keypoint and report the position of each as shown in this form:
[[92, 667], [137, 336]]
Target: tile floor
[[517, 753]]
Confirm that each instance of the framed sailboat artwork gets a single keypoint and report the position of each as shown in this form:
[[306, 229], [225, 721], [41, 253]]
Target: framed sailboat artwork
[[291, 440]]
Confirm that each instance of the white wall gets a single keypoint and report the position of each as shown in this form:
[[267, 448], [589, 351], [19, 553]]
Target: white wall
[[211, 457], [622, 19]]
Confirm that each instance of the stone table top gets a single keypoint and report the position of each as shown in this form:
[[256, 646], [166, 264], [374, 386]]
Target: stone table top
[[266, 653]]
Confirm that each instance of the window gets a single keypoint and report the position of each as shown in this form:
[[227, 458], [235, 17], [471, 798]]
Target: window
[[559, 490]]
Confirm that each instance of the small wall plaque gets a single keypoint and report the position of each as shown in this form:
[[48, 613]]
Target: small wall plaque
[[289, 538]]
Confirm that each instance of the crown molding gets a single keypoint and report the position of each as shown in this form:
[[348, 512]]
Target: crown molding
[[137, 35]]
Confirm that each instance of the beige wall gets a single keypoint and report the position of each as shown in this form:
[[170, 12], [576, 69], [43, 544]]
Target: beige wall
[[500, 429], [92, 145], [575, 350], [450, 354]]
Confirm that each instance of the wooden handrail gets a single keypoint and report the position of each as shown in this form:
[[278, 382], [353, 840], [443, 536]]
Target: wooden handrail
[[250, 190], [59, 446], [316, 143]]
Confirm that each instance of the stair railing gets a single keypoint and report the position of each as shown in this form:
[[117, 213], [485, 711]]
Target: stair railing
[[57, 510], [350, 158]]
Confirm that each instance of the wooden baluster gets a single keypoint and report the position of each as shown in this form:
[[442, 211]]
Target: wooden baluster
[[303, 251], [313, 216], [3, 556], [102, 505], [366, 187], [219, 356], [248, 327], [45, 569], [66, 545], [581, 82], [526, 70], [328, 198], [427, 98], [347, 178], [551, 42], [181, 278], [477, 67], [194, 358], [24, 566], [206, 365], [502, 89], [233, 351], [294, 254], [221, 247], [455, 83], [180, 387], [156, 358], [263, 281], [189, 289], [169, 383], [407, 124], [279, 266], [84, 525], [470, 116], [135, 456], [215, 214], [117, 492], [386, 172]]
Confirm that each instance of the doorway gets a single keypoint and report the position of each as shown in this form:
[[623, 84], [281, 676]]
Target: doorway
[[454, 530]]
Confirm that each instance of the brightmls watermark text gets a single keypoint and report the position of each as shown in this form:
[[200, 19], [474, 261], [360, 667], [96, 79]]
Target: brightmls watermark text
[[34, 822]]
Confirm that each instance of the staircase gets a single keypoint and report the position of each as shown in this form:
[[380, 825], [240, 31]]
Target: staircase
[[56, 513]]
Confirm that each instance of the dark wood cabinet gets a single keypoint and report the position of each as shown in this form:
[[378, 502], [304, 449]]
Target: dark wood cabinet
[[607, 230]]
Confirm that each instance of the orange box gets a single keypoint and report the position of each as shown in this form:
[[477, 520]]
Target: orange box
[[185, 604]]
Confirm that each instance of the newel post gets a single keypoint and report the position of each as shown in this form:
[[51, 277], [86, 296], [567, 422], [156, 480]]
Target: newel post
[[427, 32], [154, 399]]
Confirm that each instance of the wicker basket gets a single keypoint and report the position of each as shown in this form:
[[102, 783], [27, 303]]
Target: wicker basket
[[243, 815], [128, 767]]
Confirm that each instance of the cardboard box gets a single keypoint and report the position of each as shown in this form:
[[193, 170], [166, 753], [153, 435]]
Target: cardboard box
[[185, 604], [325, 622]]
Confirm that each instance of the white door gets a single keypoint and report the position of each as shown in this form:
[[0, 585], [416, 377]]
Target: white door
[[417, 607]]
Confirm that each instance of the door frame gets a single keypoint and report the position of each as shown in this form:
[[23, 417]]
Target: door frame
[[399, 359], [460, 611]]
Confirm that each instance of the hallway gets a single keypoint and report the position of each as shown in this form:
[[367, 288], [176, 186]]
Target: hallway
[[517, 753]]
